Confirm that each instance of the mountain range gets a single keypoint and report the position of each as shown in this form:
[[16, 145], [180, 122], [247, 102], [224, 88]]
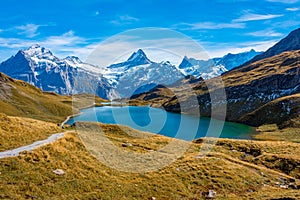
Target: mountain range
[[216, 66], [39, 67]]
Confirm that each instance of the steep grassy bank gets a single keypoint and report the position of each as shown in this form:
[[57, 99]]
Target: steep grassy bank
[[18, 98]]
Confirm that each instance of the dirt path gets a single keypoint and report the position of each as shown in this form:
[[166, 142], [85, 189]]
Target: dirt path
[[35, 145]]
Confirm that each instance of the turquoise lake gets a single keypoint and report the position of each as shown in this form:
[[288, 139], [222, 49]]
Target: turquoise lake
[[155, 120]]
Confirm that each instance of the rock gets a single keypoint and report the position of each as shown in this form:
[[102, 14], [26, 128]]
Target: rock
[[283, 179], [292, 186], [292, 180], [59, 172], [211, 194], [284, 186], [153, 198], [261, 173], [126, 145]]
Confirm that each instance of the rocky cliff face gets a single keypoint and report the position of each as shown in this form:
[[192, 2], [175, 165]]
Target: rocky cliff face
[[39, 67], [139, 74]]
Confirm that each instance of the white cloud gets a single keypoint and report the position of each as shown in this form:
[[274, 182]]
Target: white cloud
[[69, 44], [208, 25], [284, 1], [292, 9], [286, 24], [97, 13], [171, 46], [159, 45], [68, 38], [15, 43], [255, 17], [62, 45], [29, 30], [265, 33], [124, 20]]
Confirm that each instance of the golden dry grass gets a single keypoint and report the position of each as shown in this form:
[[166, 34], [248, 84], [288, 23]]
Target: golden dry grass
[[18, 98], [271, 132], [190, 177], [16, 132], [24, 100]]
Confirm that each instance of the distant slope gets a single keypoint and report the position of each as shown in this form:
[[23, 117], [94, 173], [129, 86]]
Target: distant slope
[[289, 43], [18, 98], [230, 61], [284, 111]]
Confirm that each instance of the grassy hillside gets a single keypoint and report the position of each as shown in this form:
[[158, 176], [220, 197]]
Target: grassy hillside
[[18, 98], [285, 111], [18, 131], [233, 169]]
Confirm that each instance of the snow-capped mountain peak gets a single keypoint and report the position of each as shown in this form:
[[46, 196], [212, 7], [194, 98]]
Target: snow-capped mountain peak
[[38, 66], [73, 61], [186, 62], [139, 57], [38, 52], [216, 66]]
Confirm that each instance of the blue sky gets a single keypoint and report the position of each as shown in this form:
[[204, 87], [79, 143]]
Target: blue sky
[[76, 27]]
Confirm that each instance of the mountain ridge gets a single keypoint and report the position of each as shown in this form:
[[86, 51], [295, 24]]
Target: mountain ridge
[[215, 66], [289, 43], [38, 66]]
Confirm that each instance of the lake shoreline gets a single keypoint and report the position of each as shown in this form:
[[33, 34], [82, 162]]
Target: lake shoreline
[[250, 133]]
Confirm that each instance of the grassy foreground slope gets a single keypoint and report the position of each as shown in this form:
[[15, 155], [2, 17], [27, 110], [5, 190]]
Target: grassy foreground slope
[[233, 169], [18, 131]]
